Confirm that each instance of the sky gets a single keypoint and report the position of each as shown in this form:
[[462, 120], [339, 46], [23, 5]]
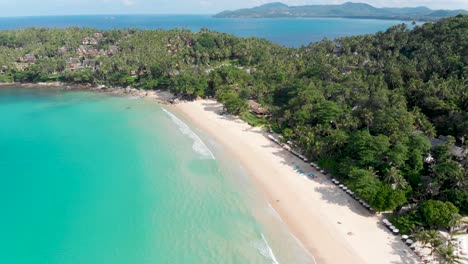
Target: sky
[[69, 7]]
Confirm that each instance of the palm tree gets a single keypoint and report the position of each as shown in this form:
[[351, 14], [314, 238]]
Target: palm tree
[[429, 239], [447, 254], [394, 177]]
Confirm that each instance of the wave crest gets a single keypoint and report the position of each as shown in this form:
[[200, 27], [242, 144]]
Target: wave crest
[[265, 250], [198, 145]]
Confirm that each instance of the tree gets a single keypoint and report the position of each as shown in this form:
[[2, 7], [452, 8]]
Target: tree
[[388, 199], [447, 254], [438, 214], [367, 149], [430, 239], [190, 84], [364, 183], [393, 176]]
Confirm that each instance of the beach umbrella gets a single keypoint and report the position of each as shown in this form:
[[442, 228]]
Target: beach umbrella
[[405, 237], [385, 221], [396, 231], [409, 242]]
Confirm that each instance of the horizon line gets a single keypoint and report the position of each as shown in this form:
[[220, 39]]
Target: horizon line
[[115, 14]]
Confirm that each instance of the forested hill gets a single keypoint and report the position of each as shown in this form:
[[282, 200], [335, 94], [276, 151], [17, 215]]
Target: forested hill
[[346, 10], [367, 108]]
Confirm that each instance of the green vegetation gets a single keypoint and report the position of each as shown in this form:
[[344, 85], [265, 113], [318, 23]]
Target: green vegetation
[[253, 120], [364, 107], [348, 10]]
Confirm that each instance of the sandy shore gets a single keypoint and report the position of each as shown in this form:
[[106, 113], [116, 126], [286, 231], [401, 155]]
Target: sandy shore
[[331, 225]]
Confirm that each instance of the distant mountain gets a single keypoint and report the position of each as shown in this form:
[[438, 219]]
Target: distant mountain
[[346, 10]]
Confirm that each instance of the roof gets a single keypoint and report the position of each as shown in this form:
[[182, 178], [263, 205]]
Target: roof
[[256, 107], [456, 151]]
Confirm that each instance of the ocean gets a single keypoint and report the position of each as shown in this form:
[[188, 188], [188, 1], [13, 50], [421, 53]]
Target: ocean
[[291, 32], [93, 178]]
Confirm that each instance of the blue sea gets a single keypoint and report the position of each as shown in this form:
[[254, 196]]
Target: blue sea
[[291, 32], [92, 178]]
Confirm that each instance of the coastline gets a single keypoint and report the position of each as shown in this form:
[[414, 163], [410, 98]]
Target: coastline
[[331, 226], [162, 97]]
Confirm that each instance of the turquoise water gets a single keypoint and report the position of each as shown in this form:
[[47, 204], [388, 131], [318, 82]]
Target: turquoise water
[[91, 178], [292, 32]]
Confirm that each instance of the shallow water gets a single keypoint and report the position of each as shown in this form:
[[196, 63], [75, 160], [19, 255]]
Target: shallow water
[[92, 178]]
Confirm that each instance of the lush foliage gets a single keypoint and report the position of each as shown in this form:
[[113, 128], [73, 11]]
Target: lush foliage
[[365, 107], [438, 213]]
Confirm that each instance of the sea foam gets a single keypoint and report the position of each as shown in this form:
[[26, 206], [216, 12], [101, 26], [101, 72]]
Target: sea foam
[[276, 215], [265, 250], [198, 145]]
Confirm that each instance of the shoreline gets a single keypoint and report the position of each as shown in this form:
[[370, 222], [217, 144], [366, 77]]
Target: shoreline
[[330, 225], [161, 96]]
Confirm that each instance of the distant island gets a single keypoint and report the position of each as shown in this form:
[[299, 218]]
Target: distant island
[[346, 10]]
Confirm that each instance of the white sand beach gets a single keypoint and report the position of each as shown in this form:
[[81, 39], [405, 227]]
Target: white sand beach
[[329, 223]]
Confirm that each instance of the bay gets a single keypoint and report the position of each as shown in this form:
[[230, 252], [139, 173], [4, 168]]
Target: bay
[[92, 178], [291, 32]]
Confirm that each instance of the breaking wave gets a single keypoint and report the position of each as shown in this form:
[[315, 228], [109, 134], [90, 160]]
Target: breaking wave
[[198, 145], [265, 250]]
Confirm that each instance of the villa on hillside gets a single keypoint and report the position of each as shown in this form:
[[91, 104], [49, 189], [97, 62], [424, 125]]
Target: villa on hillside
[[112, 50], [338, 49], [89, 41], [458, 152], [98, 35], [257, 108], [90, 63], [28, 58], [62, 51], [74, 64]]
